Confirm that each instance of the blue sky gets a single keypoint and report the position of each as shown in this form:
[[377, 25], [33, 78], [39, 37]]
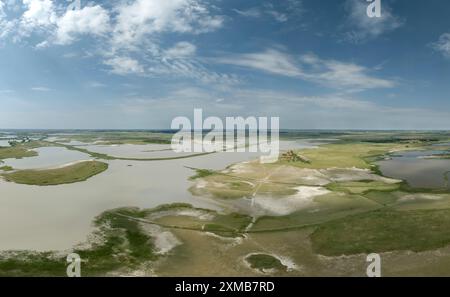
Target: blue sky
[[139, 63]]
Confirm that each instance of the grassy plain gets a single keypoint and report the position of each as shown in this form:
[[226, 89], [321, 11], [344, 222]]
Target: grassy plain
[[383, 231], [357, 216]]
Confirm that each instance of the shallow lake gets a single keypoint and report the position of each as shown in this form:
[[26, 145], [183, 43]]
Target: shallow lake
[[4, 142], [418, 171], [48, 157], [58, 217]]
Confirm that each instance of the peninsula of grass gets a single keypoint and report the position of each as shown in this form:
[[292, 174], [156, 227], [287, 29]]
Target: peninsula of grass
[[64, 175]]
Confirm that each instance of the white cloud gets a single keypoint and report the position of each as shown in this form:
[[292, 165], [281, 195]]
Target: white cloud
[[285, 10], [6, 26], [40, 89], [443, 45], [127, 36], [278, 16], [2, 19], [181, 49], [253, 12], [124, 65], [59, 26], [39, 13], [191, 68], [140, 18], [331, 73], [92, 20], [345, 75], [362, 27], [271, 61], [95, 84]]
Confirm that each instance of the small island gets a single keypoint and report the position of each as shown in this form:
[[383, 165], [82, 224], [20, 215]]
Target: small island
[[72, 173]]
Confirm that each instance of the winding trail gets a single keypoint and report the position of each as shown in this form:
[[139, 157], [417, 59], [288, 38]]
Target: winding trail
[[241, 232]]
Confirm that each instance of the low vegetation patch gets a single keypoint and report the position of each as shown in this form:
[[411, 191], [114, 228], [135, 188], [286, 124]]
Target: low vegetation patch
[[346, 155], [65, 175], [383, 231], [264, 262], [362, 187], [6, 168], [200, 173]]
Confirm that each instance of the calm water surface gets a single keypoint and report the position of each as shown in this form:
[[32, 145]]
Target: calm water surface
[[57, 217], [418, 171]]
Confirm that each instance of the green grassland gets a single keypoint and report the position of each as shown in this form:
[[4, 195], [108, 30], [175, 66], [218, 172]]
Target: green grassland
[[281, 177], [362, 187], [407, 137], [65, 175], [347, 155], [6, 168], [360, 216], [326, 208], [383, 231]]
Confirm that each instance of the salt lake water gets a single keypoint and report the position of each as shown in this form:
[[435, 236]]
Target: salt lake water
[[417, 170], [58, 217]]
